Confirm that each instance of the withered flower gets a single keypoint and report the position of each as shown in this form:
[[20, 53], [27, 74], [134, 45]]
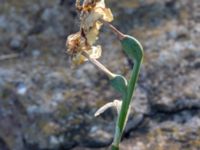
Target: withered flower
[[91, 12], [77, 44]]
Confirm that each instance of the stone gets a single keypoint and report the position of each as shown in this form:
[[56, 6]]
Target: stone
[[45, 104], [17, 43]]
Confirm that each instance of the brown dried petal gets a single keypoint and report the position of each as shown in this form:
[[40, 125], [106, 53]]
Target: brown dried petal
[[92, 35], [94, 52], [78, 59], [73, 41], [89, 18], [76, 43]]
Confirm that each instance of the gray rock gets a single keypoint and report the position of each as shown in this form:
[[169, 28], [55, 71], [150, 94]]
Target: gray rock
[[53, 106], [17, 43]]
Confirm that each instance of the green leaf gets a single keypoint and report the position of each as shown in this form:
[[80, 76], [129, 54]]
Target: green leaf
[[119, 83], [132, 48]]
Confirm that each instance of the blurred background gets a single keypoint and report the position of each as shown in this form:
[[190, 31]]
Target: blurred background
[[45, 104]]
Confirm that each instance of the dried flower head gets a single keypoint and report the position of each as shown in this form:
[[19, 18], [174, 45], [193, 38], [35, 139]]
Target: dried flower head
[[91, 12], [77, 44]]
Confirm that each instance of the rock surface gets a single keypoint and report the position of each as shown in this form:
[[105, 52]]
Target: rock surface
[[46, 104]]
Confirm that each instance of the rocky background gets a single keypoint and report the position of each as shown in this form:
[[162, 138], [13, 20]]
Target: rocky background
[[45, 104]]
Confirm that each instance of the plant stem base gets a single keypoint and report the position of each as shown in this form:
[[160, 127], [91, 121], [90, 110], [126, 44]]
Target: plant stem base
[[115, 148]]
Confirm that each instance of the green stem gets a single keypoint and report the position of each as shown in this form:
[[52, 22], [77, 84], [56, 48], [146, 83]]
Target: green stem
[[123, 116], [132, 84], [134, 50], [115, 148]]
